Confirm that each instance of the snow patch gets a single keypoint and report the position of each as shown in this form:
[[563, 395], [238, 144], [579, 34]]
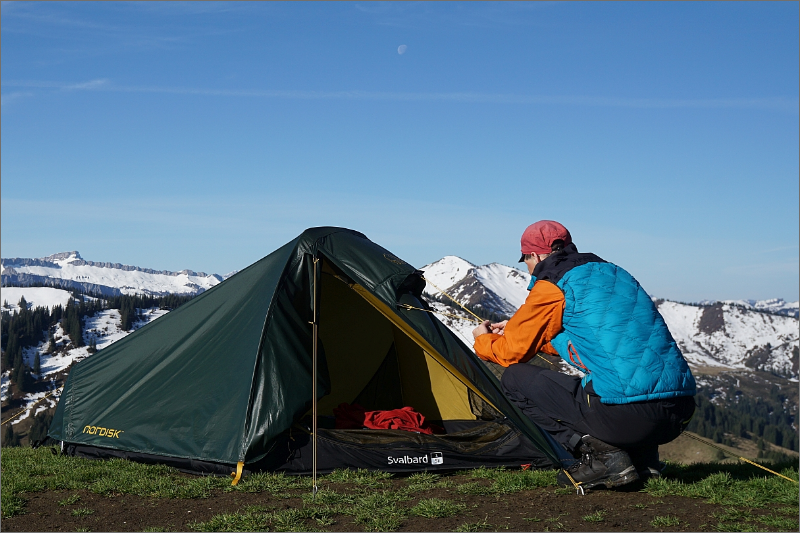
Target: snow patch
[[35, 296]]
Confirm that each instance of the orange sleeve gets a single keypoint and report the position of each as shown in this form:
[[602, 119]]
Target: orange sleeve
[[530, 330]]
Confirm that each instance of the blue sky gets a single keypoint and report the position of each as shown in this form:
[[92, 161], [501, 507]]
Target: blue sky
[[205, 135]]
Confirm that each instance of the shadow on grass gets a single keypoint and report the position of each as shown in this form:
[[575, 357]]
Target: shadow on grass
[[693, 473]]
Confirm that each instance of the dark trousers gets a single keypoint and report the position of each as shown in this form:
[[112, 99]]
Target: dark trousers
[[558, 404]]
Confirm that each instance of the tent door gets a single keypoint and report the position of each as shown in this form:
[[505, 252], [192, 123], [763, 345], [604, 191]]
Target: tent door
[[370, 350]]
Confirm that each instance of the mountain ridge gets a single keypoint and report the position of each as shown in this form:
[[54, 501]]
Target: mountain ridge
[[69, 270], [727, 335], [722, 341]]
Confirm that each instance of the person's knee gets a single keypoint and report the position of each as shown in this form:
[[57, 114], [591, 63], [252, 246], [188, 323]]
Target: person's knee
[[519, 376], [510, 380]]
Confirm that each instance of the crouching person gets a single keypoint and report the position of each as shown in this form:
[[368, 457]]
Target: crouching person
[[637, 390]]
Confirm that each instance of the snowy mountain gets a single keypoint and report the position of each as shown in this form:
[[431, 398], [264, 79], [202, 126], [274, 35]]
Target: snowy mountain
[[35, 296], [103, 328], [68, 270], [733, 335], [778, 306], [495, 287]]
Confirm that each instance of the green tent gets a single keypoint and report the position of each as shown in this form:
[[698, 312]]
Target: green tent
[[226, 379]]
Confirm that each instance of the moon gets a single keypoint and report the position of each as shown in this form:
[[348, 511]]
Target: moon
[[402, 49]]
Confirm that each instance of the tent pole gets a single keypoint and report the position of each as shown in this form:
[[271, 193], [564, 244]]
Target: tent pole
[[314, 327]]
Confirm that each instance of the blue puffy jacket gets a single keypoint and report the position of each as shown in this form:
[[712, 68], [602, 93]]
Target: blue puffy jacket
[[613, 332]]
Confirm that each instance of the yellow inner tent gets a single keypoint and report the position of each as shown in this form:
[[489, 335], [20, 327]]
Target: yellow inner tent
[[375, 359]]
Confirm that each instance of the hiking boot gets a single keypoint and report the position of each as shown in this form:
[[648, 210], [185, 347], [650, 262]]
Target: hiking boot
[[600, 464], [646, 462], [648, 472]]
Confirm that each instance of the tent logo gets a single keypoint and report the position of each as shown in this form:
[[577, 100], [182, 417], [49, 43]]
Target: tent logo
[[407, 460], [394, 259], [102, 432], [435, 459]]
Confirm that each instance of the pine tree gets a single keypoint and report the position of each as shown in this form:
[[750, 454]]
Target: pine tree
[[17, 359], [40, 427], [37, 366], [9, 439], [11, 348], [21, 377], [51, 342]]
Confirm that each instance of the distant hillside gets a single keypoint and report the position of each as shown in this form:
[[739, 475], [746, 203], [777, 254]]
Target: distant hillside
[[744, 353], [68, 270], [723, 335]]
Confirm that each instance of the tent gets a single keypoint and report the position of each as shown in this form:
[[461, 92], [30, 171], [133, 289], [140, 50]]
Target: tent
[[224, 382]]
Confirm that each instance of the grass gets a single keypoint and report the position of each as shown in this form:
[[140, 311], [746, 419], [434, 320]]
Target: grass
[[275, 484], [476, 526], [376, 501], [71, 500], [597, 516], [437, 508], [733, 486], [505, 481], [29, 470], [665, 521], [422, 481], [733, 519]]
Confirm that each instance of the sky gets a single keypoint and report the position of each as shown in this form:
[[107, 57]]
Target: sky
[[174, 135]]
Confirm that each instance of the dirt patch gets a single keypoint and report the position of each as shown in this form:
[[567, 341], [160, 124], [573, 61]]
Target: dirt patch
[[544, 509]]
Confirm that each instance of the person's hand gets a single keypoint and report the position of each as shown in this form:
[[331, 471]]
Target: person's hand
[[499, 327], [483, 329]]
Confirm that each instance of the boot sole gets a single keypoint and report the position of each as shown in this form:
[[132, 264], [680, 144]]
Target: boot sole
[[629, 475]]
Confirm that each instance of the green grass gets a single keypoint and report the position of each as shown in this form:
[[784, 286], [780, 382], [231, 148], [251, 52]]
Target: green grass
[[597, 516], [374, 510], [422, 478], [375, 501], [780, 523], [665, 521], [437, 508], [245, 520], [71, 500], [507, 481], [361, 477], [473, 488], [260, 518], [740, 488], [380, 511], [273, 483], [422, 481], [733, 519], [29, 470], [476, 526], [729, 487]]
